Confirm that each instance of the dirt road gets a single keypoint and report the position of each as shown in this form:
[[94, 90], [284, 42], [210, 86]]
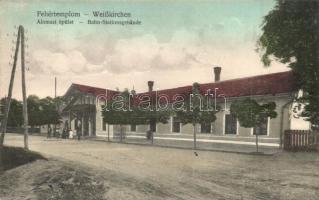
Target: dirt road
[[141, 172]]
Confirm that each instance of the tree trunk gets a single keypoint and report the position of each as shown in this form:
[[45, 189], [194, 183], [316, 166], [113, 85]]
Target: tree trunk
[[121, 131], [108, 132], [8, 100], [152, 137], [194, 131], [56, 107], [257, 142], [49, 131], [1, 162], [24, 92]]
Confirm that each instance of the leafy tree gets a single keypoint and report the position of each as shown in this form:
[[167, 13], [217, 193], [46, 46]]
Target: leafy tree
[[195, 111], [34, 112], [15, 118], [250, 114], [49, 112], [117, 110], [40, 111], [43, 111], [122, 111], [290, 35]]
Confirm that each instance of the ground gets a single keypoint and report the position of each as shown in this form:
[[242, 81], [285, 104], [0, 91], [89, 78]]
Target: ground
[[11, 157], [122, 171]]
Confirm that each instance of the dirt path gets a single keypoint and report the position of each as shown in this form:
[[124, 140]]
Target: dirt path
[[139, 172]]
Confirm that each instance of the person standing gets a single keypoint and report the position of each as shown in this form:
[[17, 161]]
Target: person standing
[[79, 130], [70, 134]]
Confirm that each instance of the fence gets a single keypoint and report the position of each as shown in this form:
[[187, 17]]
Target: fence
[[203, 141], [20, 130], [301, 140]]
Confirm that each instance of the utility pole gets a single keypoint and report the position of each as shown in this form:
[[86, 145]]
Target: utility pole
[[56, 107], [8, 99], [24, 92], [194, 127], [20, 37], [55, 87]]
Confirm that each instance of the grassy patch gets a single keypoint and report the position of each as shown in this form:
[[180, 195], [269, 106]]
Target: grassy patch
[[68, 183], [11, 157]]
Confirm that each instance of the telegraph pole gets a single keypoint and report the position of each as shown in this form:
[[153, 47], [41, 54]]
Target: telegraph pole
[[8, 99], [55, 87], [20, 37], [24, 92], [56, 107]]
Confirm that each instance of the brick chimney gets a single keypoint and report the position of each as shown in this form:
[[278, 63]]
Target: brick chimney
[[217, 71], [150, 85], [133, 92]]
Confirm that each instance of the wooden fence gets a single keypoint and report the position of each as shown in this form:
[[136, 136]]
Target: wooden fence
[[301, 140], [20, 130]]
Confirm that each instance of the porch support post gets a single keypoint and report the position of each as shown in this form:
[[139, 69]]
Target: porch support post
[[82, 124], [69, 120], [90, 125]]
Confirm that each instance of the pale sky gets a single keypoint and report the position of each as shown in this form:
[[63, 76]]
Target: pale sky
[[178, 43]]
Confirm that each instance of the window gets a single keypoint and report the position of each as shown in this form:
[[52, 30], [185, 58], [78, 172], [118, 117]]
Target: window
[[133, 127], [230, 124], [262, 128], [176, 125], [205, 128]]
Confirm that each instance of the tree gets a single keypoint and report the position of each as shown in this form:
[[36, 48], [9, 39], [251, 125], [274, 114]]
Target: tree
[[15, 113], [195, 111], [250, 114], [290, 34], [117, 112], [121, 110], [40, 111], [43, 111], [34, 112], [48, 112]]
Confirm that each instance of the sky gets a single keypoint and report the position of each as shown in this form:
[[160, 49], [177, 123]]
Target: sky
[[178, 43]]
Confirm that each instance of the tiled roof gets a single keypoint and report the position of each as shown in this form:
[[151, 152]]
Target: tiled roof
[[111, 93], [269, 84], [89, 89], [95, 90]]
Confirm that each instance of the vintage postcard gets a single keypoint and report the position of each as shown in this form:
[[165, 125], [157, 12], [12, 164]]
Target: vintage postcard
[[159, 99]]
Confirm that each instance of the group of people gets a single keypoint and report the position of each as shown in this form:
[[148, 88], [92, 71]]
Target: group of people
[[69, 133], [52, 132], [66, 133]]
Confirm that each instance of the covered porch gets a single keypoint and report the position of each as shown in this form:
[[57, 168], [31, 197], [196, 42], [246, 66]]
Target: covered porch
[[81, 119]]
